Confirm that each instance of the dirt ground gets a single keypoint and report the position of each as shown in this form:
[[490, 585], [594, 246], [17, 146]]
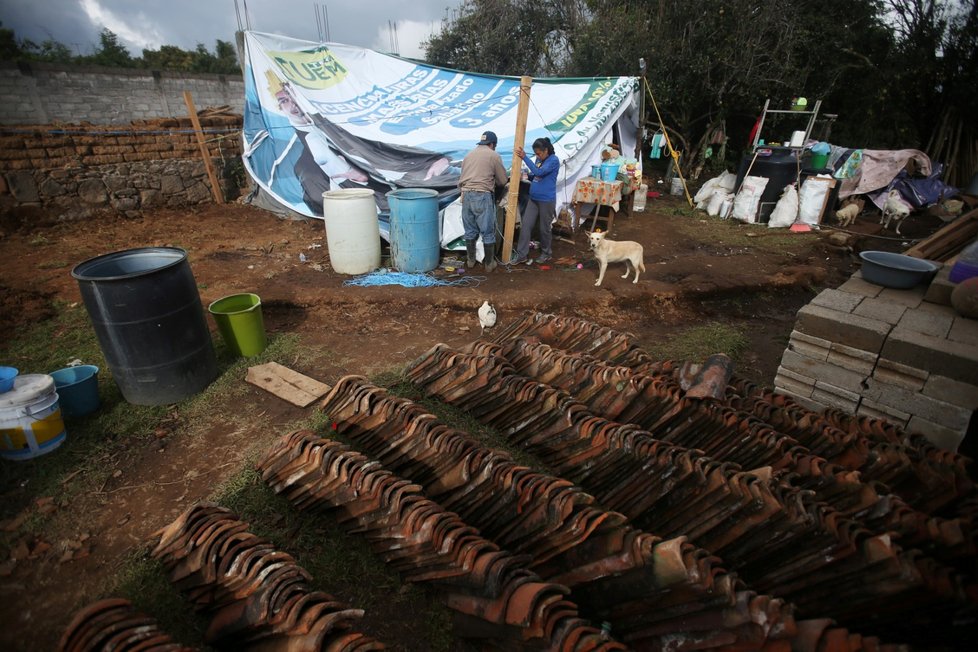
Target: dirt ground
[[699, 271]]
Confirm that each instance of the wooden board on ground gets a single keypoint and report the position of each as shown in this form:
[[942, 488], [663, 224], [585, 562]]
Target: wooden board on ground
[[287, 384], [948, 240]]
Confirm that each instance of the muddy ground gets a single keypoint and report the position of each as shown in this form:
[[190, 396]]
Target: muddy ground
[[700, 271]]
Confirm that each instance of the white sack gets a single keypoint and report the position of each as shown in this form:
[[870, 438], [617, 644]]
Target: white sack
[[748, 199], [716, 201], [811, 199], [702, 196], [786, 210]]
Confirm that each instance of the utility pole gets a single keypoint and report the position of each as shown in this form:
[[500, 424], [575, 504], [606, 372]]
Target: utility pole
[[515, 175]]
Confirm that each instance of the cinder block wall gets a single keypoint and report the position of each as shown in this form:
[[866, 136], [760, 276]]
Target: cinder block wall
[[899, 355], [39, 93]]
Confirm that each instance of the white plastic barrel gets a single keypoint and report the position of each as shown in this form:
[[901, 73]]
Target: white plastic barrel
[[30, 418], [352, 230]]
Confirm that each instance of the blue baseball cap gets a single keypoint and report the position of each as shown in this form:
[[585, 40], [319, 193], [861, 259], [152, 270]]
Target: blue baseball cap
[[488, 138]]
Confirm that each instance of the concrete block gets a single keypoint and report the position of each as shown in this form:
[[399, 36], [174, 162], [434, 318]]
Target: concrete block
[[823, 371], [856, 285], [952, 391], [910, 298], [852, 359], [881, 309], [852, 330], [932, 409], [836, 397], [837, 300], [788, 386], [901, 375], [928, 319], [955, 360], [946, 438], [939, 291], [813, 347], [964, 330], [871, 408]]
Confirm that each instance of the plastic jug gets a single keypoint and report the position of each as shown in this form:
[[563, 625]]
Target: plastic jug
[[967, 264]]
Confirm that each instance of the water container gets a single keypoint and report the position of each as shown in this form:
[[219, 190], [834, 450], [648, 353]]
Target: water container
[[352, 230], [77, 389], [30, 418], [415, 244], [150, 324], [609, 172], [677, 187], [641, 196], [596, 171], [967, 264]]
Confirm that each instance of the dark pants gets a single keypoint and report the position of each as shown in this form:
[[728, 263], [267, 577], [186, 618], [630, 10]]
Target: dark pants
[[479, 216], [543, 212]]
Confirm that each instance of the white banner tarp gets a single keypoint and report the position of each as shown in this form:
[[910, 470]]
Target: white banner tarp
[[328, 116]]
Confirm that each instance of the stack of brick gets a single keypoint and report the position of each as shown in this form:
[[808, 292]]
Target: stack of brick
[[900, 355], [49, 147]]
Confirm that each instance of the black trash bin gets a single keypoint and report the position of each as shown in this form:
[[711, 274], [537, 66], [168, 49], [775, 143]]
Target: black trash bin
[[150, 324]]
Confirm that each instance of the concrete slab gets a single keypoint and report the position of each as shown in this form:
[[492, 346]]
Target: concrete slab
[[935, 323], [823, 371], [910, 298], [952, 391], [915, 403], [935, 433], [954, 360], [852, 330], [856, 285], [964, 330], [939, 291], [881, 309], [838, 300]]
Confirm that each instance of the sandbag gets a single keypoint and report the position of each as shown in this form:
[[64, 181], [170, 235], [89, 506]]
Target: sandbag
[[811, 199], [748, 199], [725, 181], [786, 211], [716, 201]]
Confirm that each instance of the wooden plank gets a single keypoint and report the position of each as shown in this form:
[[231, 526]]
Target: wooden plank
[[215, 188], [287, 384], [512, 206], [948, 239]]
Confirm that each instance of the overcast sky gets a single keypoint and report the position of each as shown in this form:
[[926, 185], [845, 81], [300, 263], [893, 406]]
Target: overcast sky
[[150, 23]]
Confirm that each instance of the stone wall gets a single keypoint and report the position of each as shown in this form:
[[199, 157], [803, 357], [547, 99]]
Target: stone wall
[[900, 355], [39, 93], [71, 171]]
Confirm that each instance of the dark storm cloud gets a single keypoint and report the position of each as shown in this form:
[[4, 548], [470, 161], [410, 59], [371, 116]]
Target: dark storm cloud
[[185, 23]]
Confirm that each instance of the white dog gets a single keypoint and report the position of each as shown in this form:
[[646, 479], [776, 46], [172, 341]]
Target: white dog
[[609, 251], [895, 207]]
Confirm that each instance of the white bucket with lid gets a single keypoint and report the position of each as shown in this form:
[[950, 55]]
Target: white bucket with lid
[[30, 418]]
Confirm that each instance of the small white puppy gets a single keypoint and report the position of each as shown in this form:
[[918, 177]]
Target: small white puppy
[[609, 251], [895, 208]]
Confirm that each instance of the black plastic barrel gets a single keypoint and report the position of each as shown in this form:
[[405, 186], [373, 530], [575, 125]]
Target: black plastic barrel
[[779, 165], [150, 324]]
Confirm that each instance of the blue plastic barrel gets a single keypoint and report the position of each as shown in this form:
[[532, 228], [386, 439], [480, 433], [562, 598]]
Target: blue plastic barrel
[[415, 245]]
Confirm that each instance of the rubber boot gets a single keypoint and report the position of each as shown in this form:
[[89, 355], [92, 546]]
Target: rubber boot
[[470, 260], [489, 256]]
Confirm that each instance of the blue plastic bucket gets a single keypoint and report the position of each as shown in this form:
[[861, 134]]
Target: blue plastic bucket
[[609, 171], [77, 389], [596, 171], [7, 375], [415, 245]]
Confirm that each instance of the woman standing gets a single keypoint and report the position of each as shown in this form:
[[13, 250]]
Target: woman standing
[[542, 207]]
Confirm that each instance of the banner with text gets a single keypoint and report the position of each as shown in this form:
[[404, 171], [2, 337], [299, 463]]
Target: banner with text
[[327, 116]]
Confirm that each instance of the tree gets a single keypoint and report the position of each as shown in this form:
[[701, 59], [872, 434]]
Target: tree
[[9, 48], [111, 52]]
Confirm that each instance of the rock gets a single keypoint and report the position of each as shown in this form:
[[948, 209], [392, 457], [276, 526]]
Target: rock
[[964, 298], [22, 186], [51, 188], [124, 204], [116, 183], [170, 184], [198, 193], [149, 197], [92, 191]]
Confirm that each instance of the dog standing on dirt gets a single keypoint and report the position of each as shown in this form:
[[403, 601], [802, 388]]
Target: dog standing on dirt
[[851, 208], [895, 208], [610, 251]]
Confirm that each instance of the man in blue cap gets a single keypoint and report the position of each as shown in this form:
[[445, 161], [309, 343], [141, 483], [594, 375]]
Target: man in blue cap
[[482, 171]]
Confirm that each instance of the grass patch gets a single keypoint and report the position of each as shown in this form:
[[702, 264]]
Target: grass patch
[[731, 233], [53, 264], [699, 342]]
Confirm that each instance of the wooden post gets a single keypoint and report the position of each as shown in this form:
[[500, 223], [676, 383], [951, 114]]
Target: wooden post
[[215, 187], [514, 175]]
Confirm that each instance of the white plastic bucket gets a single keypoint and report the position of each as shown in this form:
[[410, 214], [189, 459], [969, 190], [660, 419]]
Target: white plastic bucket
[[677, 187], [352, 230], [30, 418], [641, 196]]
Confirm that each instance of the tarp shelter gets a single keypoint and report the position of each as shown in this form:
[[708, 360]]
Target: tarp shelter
[[322, 116]]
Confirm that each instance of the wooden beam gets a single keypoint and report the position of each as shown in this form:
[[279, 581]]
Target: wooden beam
[[515, 173], [215, 187]]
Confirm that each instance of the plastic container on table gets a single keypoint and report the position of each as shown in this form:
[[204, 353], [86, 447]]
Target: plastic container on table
[[609, 171]]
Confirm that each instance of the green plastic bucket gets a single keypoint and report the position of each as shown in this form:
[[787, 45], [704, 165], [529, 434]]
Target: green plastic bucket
[[819, 161], [239, 319]]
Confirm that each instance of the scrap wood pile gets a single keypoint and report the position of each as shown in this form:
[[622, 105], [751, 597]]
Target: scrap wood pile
[[949, 240]]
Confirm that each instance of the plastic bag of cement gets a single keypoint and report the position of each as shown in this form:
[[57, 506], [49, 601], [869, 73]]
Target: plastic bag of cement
[[811, 199], [716, 202], [786, 211], [725, 182], [748, 199]]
